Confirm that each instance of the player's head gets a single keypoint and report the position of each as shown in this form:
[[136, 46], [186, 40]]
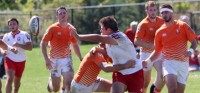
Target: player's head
[[108, 25], [151, 9], [185, 19], [133, 25], [13, 24], [62, 14], [166, 12]]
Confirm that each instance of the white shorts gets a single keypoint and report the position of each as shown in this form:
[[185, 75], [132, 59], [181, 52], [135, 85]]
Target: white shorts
[[78, 88], [178, 68], [144, 56], [60, 66]]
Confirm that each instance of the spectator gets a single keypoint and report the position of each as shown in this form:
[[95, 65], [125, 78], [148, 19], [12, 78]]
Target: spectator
[[194, 61], [130, 32], [184, 18]]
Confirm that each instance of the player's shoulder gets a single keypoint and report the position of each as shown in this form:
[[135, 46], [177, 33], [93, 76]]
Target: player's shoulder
[[181, 23]]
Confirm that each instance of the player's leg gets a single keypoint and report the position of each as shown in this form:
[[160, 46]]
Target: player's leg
[[18, 74], [159, 81], [67, 78], [104, 86], [10, 72], [182, 76], [54, 83], [9, 80], [16, 84], [67, 72], [181, 88], [63, 87], [119, 83], [147, 71], [147, 79], [171, 83], [118, 87]]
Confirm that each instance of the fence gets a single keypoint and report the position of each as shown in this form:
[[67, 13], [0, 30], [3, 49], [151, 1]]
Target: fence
[[86, 18]]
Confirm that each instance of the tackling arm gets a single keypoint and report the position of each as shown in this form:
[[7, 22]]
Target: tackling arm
[[111, 68]]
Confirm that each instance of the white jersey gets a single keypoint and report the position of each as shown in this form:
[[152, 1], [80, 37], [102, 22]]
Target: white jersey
[[21, 38], [123, 52]]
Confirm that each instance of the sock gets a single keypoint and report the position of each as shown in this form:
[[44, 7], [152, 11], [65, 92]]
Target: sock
[[152, 88], [157, 90], [63, 88]]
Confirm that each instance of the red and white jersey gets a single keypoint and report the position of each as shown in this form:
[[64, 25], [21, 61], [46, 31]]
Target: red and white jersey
[[123, 52], [21, 38]]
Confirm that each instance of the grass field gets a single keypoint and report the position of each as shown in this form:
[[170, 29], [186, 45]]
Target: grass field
[[36, 75]]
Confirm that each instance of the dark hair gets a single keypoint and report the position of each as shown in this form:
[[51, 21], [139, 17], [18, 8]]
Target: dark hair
[[13, 19], [166, 6], [62, 7], [150, 4], [109, 22]]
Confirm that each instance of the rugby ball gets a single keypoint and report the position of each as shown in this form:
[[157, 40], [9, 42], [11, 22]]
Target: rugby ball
[[35, 25]]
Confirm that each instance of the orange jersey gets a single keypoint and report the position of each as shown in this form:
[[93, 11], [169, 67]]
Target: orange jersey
[[60, 40], [89, 70], [146, 31], [173, 40]]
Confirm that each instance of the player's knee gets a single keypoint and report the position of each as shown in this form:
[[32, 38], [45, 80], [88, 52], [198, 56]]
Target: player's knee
[[56, 89]]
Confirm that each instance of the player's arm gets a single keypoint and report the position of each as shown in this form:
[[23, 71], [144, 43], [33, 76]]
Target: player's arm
[[3, 45], [154, 55], [111, 68], [26, 46], [43, 46], [6, 47], [94, 37], [77, 50], [192, 48], [141, 43]]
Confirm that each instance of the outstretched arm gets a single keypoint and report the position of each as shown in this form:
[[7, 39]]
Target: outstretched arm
[[93, 37]]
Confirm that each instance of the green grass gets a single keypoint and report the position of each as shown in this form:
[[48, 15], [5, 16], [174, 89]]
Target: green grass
[[36, 75]]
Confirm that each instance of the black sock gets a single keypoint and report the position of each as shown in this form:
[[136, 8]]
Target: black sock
[[152, 88]]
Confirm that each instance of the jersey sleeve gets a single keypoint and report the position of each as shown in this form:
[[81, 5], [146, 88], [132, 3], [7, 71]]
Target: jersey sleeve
[[27, 37], [4, 37], [48, 34], [189, 32], [119, 38], [140, 32]]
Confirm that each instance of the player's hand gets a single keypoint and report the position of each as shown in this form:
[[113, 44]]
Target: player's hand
[[130, 64], [49, 64], [187, 53], [144, 64], [73, 32], [14, 50], [4, 52]]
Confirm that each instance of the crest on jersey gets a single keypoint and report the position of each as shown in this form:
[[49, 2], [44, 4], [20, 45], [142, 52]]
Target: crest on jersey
[[151, 29], [59, 33], [115, 36], [164, 34], [177, 31]]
